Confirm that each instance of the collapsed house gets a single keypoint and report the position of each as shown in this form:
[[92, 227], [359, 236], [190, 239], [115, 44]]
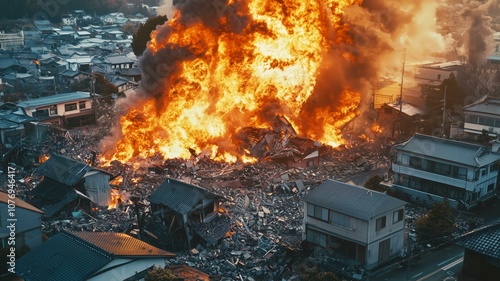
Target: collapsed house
[[279, 144], [184, 212], [69, 185]]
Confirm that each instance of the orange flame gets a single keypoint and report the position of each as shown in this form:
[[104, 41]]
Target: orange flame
[[376, 128], [116, 198], [257, 60], [43, 158]]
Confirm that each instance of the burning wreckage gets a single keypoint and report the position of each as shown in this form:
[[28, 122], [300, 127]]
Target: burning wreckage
[[218, 81]]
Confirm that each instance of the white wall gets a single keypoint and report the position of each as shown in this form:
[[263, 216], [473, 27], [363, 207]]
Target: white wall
[[126, 268]]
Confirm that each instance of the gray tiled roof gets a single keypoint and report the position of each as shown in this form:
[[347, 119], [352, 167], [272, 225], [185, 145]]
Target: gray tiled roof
[[352, 200], [61, 258], [490, 105], [449, 150], [179, 196], [54, 99], [485, 240]]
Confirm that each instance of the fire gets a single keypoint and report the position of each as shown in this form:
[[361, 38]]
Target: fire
[[376, 128], [116, 198], [43, 158], [219, 66]]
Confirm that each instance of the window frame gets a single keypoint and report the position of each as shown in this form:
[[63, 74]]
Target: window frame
[[397, 216], [70, 107], [382, 224]]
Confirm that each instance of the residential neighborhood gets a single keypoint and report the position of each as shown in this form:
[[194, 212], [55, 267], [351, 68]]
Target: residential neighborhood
[[250, 140]]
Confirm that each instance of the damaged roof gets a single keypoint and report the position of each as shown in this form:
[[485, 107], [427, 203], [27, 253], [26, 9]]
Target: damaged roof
[[352, 200], [63, 170], [180, 196], [484, 240]]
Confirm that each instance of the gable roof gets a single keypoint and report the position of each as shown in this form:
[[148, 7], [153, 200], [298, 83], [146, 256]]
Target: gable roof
[[54, 99], [486, 104], [63, 257], [352, 200], [113, 59], [78, 255], [63, 169], [449, 150], [122, 245], [179, 196], [485, 240], [4, 198]]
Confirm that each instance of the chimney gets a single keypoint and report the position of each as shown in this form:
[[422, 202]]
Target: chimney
[[495, 145]]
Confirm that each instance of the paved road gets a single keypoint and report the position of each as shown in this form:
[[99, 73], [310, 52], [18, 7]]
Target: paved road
[[433, 267]]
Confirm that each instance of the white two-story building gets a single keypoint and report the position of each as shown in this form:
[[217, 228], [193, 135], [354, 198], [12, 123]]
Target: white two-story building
[[431, 169], [484, 114], [354, 223], [68, 110]]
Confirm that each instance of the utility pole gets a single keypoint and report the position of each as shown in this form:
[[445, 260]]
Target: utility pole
[[444, 111], [403, 61]]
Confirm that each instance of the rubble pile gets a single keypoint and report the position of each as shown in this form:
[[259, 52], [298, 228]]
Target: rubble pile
[[263, 200]]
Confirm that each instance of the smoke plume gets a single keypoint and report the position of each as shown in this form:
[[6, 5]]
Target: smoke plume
[[218, 66], [478, 33]]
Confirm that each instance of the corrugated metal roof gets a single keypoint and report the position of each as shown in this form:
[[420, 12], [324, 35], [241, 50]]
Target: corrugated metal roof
[[55, 99], [4, 197], [485, 240], [4, 124], [449, 150], [352, 200], [490, 105], [122, 245], [61, 258], [406, 108], [179, 196], [63, 170]]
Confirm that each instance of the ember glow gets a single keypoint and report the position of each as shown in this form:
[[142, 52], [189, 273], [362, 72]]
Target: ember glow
[[219, 66]]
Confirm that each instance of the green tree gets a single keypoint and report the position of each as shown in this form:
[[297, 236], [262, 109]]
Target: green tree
[[437, 223], [143, 34], [160, 274]]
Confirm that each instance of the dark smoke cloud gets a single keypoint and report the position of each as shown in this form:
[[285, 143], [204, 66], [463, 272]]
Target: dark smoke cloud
[[478, 33], [380, 30]]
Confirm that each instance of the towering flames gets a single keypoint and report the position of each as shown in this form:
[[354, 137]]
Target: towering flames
[[221, 65]]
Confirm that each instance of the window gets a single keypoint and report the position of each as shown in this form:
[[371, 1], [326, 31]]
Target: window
[[484, 172], [70, 107], [209, 209], [439, 77], [82, 105], [316, 238], [380, 223], [340, 219], [53, 110], [491, 187], [397, 216], [41, 113], [317, 212]]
